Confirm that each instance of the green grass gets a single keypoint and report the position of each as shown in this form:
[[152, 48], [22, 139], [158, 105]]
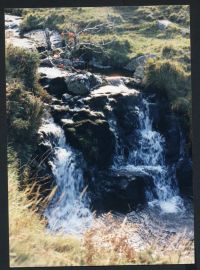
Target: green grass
[[134, 25], [24, 100], [168, 77], [22, 65]]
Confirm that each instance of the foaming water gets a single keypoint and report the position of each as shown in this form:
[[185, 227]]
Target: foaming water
[[149, 159], [68, 211]]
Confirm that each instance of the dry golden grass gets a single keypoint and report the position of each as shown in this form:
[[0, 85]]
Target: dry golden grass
[[120, 238], [106, 243]]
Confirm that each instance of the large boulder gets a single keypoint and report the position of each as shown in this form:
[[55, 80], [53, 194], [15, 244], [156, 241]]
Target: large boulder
[[120, 190], [57, 87], [82, 84], [137, 65], [163, 24]]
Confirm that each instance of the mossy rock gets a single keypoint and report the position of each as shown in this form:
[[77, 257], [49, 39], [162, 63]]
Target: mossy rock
[[94, 139], [87, 114], [58, 112]]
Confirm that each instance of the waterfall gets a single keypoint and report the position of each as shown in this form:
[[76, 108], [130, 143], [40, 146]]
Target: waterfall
[[149, 158], [68, 211]]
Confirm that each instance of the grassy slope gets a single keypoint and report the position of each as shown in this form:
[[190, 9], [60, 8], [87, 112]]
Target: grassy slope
[[134, 24], [30, 245]]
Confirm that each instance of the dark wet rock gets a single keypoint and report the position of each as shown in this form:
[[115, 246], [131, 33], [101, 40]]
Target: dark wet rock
[[93, 138], [87, 114], [79, 64], [62, 62], [41, 49], [59, 112], [120, 190], [47, 62], [184, 177], [126, 111], [135, 83], [97, 103], [98, 64], [170, 129], [40, 167], [57, 87], [44, 81], [66, 97]]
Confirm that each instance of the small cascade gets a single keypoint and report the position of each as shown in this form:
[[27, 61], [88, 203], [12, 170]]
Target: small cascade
[[68, 211], [149, 158]]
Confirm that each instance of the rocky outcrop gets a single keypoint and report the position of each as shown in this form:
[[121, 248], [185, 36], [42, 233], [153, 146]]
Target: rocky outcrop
[[105, 118], [85, 120]]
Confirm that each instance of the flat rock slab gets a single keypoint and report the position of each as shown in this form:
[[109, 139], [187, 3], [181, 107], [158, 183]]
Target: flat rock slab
[[111, 90], [52, 72]]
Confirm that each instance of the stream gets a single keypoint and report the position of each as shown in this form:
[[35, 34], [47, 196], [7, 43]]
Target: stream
[[138, 154]]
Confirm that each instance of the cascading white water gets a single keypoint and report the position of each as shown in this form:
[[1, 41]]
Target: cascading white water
[[149, 158], [68, 211]]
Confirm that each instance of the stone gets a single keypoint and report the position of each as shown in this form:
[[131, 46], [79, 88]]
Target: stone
[[137, 65], [120, 190], [82, 84], [126, 111], [163, 24], [52, 72], [66, 97], [58, 112], [93, 138], [47, 62], [185, 32], [39, 37], [87, 114], [57, 87], [96, 64]]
